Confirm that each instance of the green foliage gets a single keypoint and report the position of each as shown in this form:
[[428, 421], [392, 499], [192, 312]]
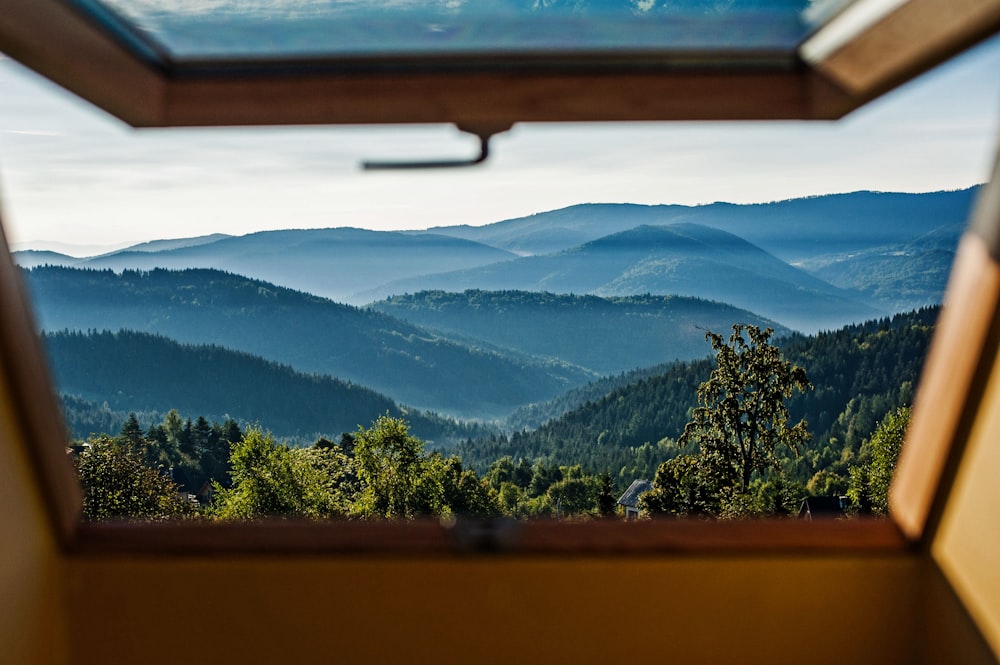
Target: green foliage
[[391, 469], [869, 483], [742, 417], [273, 480], [117, 484], [826, 483], [739, 424], [397, 480], [682, 486], [607, 496], [463, 493]]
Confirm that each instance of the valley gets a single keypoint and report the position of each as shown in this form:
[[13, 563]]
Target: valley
[[570, 338]]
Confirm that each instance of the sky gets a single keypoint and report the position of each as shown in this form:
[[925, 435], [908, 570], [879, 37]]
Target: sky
[[78, 180]]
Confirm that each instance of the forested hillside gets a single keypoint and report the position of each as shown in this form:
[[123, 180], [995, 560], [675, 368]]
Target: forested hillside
[[311, 334], [860, 373], [682, 259], [605, 335], [898, 277], [103, 372]]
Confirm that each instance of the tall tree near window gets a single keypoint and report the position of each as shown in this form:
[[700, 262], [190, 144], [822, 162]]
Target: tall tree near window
[[742, 418], [391, 468], [869, 485]]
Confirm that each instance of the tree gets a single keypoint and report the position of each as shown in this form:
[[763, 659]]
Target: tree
[[742, 418], [117, 484], [131, 432], [607, 497], [273, 480], [463, 492], [390, 468], [680, 487], [869, 484], [739, 423]]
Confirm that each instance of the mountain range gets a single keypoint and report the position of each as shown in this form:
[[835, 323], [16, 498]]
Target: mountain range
[[306, 332], [865, 253], [114, 370], [604, 335], [683, 259]]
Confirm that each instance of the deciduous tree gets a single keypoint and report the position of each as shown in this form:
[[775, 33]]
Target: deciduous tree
[[869, 488], [742, 418], [117, 484]]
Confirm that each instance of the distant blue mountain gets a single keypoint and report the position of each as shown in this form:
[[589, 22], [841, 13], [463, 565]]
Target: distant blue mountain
[[861, 242], [898, 277], [29, 258], [606, 335], [792, 230], [681, 259], [333, 263], [310, 334]]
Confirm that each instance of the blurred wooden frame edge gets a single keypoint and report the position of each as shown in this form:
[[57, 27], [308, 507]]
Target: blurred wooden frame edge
[[905, 42], [34, 411], [954, 376]]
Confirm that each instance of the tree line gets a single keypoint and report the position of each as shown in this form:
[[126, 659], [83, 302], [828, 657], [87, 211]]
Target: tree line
[[731, 460], [177, 468]]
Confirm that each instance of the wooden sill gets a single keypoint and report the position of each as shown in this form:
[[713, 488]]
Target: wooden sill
[[421, 538]]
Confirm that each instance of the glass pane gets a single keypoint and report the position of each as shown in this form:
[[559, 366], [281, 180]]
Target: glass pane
[[194, 30]]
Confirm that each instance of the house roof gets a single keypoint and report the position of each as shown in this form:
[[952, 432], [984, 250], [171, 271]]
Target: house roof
[[630, 498]]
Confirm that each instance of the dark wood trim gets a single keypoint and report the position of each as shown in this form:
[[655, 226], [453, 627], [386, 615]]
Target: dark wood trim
[[54, 40], [471, 99]]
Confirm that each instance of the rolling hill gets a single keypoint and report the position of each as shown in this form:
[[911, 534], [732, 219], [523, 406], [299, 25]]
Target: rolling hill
[[130, 371], [793, 230], [897, 277], [354, 266], [859, 372], [308, 333], [332, 263], [605, 335], [682, 259]]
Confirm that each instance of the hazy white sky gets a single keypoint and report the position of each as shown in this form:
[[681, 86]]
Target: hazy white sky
[[72, 174]]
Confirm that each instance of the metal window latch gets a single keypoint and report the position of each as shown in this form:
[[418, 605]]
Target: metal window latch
[[484, 134]]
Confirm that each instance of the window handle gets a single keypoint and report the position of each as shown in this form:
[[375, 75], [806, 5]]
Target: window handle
[[484, 153]]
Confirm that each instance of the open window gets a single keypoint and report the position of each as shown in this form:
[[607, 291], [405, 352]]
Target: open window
[[789, 64]]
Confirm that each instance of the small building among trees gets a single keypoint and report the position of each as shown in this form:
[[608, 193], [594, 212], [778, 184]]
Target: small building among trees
[[630, 499]]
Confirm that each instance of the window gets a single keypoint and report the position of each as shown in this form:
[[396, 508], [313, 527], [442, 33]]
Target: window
[[304, 137]]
